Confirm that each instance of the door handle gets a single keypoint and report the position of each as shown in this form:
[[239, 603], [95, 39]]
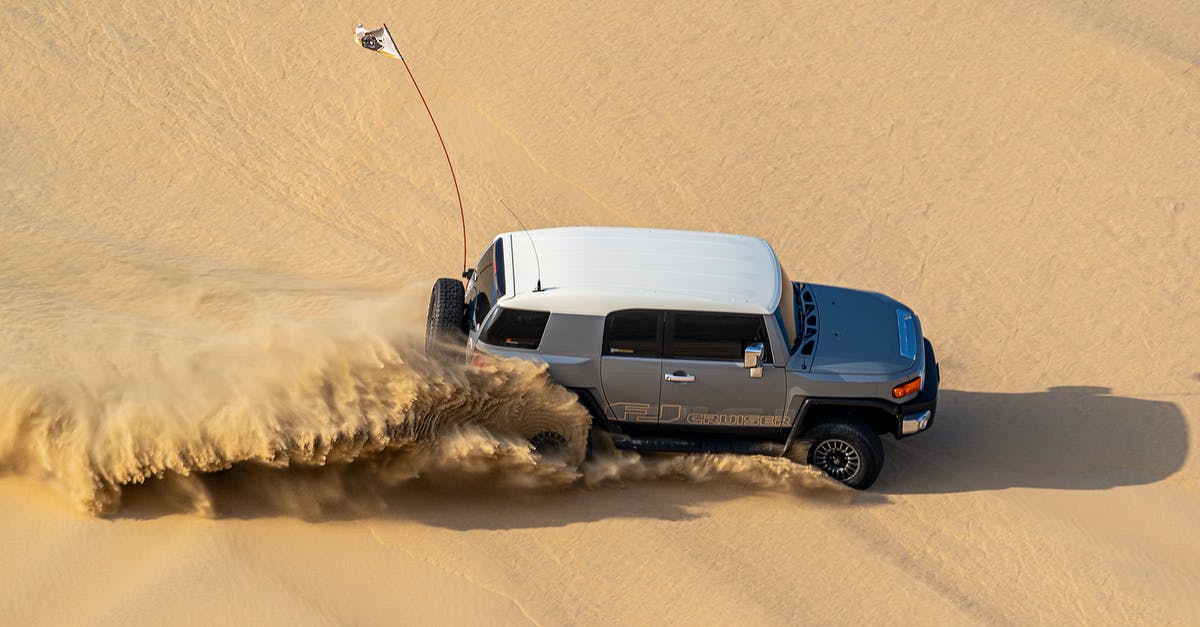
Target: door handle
[[679, 377]]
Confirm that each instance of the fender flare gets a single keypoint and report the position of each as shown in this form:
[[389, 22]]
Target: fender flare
[[926, 400], [587, 398], [800, 425]]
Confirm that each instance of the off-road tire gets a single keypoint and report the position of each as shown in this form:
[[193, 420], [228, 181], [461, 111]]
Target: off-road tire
[[444, 334], [847, 450]]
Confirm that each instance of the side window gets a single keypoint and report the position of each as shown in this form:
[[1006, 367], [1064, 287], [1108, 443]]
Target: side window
[[695, 335], [634, 333], [517, 328]]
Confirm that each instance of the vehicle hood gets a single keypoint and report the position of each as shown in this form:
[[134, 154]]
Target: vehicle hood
[[860, 333]]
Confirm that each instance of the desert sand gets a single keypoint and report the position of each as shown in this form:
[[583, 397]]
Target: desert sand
[[220, 222]]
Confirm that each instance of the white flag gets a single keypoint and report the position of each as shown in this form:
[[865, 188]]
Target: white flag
[[379, 40]]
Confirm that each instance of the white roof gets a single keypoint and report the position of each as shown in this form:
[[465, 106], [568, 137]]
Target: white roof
[[597, 270]]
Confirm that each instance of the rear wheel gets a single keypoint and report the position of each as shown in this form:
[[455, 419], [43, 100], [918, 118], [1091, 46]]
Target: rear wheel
[[444, 334], [554, 445], [847, 450], [549, 444]]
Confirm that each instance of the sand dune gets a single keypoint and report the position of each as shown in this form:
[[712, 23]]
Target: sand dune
[[219, 223]]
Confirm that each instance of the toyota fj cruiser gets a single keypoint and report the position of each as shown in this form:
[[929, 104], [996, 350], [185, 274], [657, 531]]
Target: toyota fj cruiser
[[696, 342]]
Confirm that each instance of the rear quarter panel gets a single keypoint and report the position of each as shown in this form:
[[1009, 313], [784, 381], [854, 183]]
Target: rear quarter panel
[[570, 346]]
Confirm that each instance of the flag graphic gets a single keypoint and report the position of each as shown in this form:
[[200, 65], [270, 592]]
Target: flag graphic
[[379, 40]]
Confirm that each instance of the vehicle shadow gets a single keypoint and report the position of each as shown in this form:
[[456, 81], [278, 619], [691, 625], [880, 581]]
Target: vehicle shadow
[[454, 501], [661, 500], [1066, 438]]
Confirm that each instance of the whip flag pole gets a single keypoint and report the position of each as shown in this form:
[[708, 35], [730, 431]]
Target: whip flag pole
[[380, 40]]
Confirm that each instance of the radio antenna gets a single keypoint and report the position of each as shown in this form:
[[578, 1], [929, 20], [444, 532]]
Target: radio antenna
[[536, 259]]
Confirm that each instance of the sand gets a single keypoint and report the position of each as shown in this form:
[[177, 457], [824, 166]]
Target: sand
[[220, 224]]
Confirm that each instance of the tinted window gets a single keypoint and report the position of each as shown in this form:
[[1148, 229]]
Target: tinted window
[[716, 336], [499, 269], [517, 328], [633, 334]]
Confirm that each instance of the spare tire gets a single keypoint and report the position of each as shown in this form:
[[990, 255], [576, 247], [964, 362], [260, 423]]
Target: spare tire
[[444, 333]]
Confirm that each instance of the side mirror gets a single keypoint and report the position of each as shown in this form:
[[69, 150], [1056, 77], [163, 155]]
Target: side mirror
[[752, 357]]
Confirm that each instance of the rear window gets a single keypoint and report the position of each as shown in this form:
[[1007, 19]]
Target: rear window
[[489, 274], [634, 333], [499, 269], [517, 328], [716, 336]]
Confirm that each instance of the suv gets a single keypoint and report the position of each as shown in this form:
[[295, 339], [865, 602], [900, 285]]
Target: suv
[[696, 342]]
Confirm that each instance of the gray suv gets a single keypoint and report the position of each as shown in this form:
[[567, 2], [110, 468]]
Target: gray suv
[[696, 342]]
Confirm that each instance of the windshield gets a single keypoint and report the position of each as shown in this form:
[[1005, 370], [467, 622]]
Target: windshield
[[787, 312]]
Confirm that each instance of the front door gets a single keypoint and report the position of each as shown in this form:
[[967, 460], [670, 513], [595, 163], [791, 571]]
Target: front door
[[706, 388]]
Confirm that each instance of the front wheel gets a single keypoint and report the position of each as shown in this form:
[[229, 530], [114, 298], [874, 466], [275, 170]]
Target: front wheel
[[849, 451]]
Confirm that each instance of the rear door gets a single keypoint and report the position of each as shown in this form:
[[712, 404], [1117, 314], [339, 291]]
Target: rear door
[[706, 388], [631, 365]]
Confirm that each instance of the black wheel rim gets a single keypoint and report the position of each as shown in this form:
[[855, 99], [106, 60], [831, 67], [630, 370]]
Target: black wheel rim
[[548, 443], [838, 458]]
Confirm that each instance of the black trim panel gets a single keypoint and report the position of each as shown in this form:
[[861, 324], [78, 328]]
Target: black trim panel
[[696, 445]]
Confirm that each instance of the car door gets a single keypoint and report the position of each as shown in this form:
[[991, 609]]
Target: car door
[[631, 366], [706, 387]]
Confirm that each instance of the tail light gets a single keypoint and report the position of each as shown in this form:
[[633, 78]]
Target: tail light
[[480, 359]]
